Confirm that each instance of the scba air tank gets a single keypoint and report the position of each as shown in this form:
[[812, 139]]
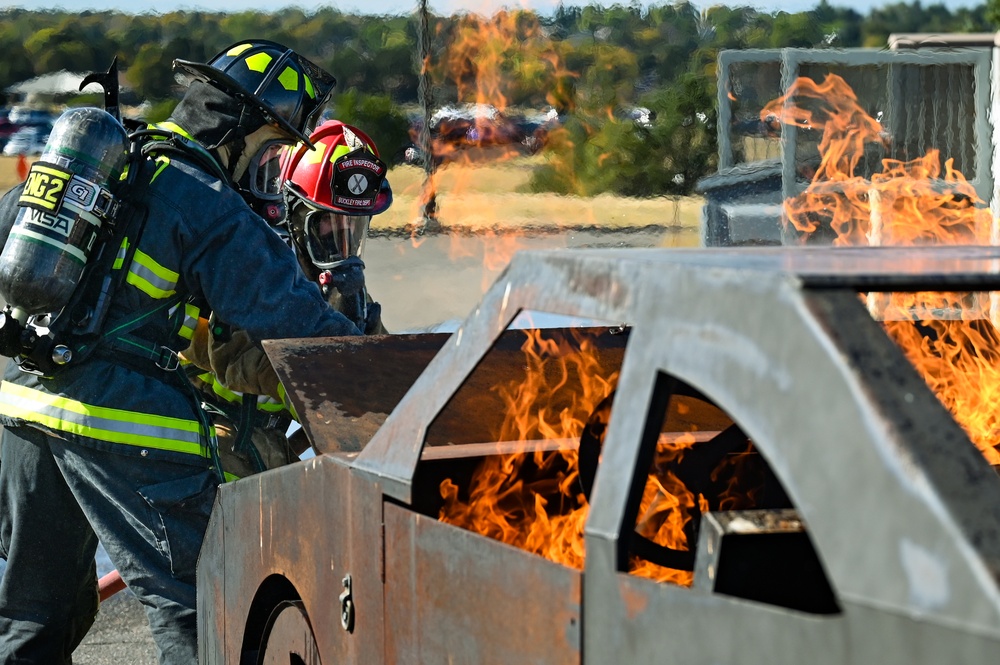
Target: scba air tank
[[65, 202]]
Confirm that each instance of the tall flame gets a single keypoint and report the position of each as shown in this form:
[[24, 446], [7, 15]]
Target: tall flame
[[485, 61], [950, 338]]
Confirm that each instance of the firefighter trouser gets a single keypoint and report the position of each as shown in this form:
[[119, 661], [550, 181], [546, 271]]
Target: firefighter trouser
[[43, 627], [57, 499]]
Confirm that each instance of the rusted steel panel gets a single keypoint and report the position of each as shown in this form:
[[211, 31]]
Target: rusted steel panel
[[456, 597], [211, 600], [780, 340], [279, 535], [653, 622], [699, 628], [364, 542], [343, 388]]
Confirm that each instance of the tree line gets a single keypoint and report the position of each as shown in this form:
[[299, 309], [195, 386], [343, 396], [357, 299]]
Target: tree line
[[585, 62]]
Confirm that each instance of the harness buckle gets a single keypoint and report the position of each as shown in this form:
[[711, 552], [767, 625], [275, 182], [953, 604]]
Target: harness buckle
[[168, 360], [275, 421]]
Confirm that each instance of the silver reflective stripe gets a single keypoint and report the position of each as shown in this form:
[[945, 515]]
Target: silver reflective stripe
[[102, 423], [189, 321], [149, 276]]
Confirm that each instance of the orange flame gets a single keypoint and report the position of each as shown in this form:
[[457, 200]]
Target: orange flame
[[485, 62], [949, 338], [510, 496], [958, 358], [533, 500], [665, 509]]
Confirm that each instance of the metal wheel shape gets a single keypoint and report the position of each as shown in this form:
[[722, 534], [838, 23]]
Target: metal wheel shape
[[289, 639]]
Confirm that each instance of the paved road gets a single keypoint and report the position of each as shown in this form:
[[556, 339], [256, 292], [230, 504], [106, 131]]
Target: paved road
[[442, 278], [121, 635]]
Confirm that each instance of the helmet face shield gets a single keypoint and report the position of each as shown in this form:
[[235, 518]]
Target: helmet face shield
[[331, 237]]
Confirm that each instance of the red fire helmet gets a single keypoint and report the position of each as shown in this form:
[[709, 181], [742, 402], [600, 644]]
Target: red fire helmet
[[342, 174]]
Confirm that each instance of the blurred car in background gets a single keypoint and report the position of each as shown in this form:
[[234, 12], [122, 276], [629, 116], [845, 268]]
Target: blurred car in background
[[27, 140], [24, 116], [457, 128]]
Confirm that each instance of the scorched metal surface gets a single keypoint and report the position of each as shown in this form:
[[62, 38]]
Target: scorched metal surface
[[895, 520]]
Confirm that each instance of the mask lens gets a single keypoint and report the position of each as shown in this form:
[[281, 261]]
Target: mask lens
[[358, 232], [265, 173], [332, 237], [326, 233]]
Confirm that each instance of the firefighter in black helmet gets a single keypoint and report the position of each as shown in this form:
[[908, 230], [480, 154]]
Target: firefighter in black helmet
[[268, 83], [115, 447]]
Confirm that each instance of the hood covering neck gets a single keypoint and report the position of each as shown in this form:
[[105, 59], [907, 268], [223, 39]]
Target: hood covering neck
[[212, 117]]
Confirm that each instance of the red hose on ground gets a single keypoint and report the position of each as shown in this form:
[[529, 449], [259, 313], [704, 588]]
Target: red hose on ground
[[109, 585]]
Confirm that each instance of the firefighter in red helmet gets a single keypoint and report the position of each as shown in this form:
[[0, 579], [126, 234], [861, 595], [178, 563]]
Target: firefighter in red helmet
[[331, 194], [328, 233]]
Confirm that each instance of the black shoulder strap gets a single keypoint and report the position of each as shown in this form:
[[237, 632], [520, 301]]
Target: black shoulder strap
[[161, 141], [84, 319]]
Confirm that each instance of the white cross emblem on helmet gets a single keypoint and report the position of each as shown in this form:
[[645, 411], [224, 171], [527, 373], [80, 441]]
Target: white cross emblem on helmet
[[357, 183]]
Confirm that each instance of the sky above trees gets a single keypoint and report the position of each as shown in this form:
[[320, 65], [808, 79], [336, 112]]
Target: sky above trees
[[441, 6]]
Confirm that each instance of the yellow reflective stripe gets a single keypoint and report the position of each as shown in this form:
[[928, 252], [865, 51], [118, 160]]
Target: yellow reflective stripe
[[163, 162], [265, 403], [222, 391], [268, 404], [339, 152], [120, 258], [150, 277], [175, 128], [229, 477], [309, 87], [236, 50], [190, 321], [258, 62], [315, 156], [289, 79], [102, 423], [191, 315]]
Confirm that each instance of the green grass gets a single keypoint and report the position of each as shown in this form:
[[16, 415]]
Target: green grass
[[491, 194]]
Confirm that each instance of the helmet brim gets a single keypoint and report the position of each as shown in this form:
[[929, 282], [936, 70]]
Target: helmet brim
[[383, 200]]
